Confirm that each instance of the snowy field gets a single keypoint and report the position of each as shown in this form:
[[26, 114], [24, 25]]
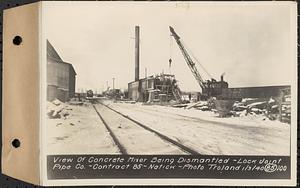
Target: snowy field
[[209, 134], [79, 130]]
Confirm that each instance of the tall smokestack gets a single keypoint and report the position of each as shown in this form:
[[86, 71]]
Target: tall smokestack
[[222, 77], [137, 53]]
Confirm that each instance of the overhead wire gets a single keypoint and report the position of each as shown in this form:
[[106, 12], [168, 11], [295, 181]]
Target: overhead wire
[[170, 53], [196, 60]]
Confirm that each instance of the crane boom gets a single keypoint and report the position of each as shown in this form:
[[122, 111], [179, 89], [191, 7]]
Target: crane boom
[[210, 88], [188, 60]]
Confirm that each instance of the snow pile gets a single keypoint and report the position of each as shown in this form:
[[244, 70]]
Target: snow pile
[[57, 109]]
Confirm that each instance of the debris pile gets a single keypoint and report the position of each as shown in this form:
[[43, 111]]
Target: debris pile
[[57, 109], [267, 107], [264, 107]]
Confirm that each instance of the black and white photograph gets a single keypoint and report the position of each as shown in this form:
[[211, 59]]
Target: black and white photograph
[[169, 78]]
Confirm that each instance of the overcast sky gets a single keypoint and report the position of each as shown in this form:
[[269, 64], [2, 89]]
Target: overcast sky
[[252, 44]]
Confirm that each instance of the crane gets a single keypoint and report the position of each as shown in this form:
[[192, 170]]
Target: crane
[[210, 88]]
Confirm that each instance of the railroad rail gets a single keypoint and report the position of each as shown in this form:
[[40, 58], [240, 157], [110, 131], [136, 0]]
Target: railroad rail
[[115, 139], [160, 135]]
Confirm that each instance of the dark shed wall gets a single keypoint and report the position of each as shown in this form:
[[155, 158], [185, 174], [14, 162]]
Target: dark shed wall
[[133, 91], [61, 77], [72, 82], [54, 92], [58, 74], [58, 81], [254, 92]]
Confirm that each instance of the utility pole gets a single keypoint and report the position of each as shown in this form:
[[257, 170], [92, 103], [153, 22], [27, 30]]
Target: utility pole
[[137, 53], [113, 83], [170, 64], [146, 78], [113, 90]]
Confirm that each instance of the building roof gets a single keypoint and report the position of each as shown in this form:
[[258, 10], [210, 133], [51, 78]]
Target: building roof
[[53, 55], [51, 52], [152, 77]]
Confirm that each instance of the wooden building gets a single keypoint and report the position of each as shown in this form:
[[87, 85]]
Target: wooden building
[[159, 88], [61, 76]]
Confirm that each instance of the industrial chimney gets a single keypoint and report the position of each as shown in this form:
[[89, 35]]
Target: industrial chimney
[[137, 53], [222, 76]]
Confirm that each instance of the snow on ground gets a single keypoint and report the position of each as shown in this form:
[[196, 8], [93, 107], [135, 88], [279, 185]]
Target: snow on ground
[[249, 120], [135, 139], [81, 132], [209, 134], [77, 129]]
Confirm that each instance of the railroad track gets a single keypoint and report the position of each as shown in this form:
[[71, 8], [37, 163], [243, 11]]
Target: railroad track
[[123, 149]]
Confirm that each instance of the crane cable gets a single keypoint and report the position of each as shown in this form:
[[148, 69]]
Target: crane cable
[[170, 52], [197, 61]]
